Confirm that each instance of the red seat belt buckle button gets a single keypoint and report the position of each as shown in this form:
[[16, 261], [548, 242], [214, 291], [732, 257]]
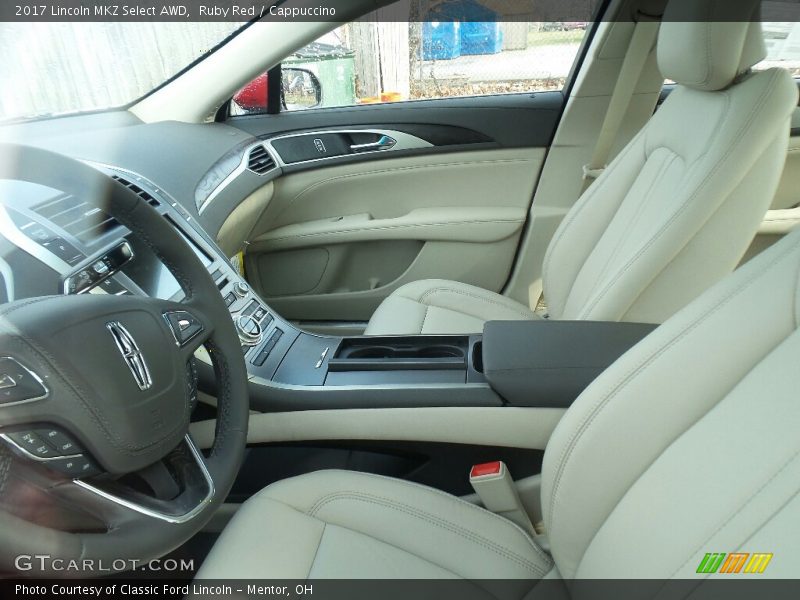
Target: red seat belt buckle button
[[486, 469]]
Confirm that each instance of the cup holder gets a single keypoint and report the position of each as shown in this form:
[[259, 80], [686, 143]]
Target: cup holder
[[393, 353], [385, 352], [372, 352], [441, 352]]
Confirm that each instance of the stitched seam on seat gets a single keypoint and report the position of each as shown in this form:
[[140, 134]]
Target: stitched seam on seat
[[436, 564], [325, 524], [752, 497], [740, 135], [635, 218], [432, 292], [640, 368], [585, 199], [671, 443], [424, 318], [319, 545], [433, 520], [796, 299], [450, 498]]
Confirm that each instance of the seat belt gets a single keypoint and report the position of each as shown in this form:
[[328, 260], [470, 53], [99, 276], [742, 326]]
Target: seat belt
[[493, 484], [642, 41]]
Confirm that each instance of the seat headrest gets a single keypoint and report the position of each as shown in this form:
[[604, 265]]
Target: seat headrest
[[706, 44]]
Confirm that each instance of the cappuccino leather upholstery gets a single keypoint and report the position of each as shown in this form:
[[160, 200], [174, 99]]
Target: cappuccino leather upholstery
[[687, 444], [670, 216]]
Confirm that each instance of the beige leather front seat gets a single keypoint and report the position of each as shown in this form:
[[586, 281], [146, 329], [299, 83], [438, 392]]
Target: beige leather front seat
[[686, 445], [671, 215]]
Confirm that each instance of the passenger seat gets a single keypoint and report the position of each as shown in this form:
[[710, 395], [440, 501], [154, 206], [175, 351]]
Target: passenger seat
[[671, 215]]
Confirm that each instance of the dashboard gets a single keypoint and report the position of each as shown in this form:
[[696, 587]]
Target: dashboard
[[56, 243]]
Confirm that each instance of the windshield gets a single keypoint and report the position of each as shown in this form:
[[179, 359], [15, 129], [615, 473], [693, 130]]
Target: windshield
[[56, 68]]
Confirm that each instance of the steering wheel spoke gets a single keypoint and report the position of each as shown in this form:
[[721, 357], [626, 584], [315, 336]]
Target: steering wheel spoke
[[180, 487]]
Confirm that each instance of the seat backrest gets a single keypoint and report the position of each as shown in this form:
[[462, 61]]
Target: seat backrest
[[688, 444], [678, 207]]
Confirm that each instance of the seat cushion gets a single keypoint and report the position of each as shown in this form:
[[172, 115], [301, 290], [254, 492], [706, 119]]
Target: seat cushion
[[444, 307], [343, 524]]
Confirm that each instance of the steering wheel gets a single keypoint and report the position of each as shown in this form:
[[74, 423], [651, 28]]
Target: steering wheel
[[113, 376]]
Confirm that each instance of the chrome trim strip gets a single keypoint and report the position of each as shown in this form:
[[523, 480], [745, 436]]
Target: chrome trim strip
[[154, 513], [404, 141], [32, 374], [43, 459]]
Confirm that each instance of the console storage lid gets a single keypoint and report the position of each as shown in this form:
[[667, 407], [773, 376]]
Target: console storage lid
[[548, 363]]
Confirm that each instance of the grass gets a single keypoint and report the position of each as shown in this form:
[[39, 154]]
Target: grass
[[549, 38]]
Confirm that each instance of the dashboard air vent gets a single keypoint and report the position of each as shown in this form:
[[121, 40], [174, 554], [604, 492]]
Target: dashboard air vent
[[137, 190], [77, 217], [260, 161]]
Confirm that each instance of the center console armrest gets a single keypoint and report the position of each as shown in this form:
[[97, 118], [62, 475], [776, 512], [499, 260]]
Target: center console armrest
[[549, 363]]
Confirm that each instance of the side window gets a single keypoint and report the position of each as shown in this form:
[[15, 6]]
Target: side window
[[783, 46], [367, 62]]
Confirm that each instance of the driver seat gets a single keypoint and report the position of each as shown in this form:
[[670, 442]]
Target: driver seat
[[670, 216], [686, 445]]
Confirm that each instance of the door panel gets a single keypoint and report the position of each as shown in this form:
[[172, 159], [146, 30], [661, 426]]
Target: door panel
[[331, 243], [335, 236]]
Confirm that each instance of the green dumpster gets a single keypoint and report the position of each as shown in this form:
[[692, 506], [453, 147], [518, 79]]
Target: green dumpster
[[333, 66]]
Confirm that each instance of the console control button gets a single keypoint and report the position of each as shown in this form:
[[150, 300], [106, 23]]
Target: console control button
[[260, 358], [249, 330], [230, 298], [17, 383], [33, 443], [250, 309], [241, 289], [74, 466]]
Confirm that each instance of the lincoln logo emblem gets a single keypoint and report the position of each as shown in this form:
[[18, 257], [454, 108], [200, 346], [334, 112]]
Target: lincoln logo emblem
[[320, 146], [131, 354]]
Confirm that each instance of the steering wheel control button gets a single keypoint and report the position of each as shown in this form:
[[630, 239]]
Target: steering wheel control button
[[183, 324], [63, 444], [18, 384], [33, 444], [74, 466], [264, 353], [249, 330]]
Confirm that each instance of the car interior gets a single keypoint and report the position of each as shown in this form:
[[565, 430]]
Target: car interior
[[510, 336]]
